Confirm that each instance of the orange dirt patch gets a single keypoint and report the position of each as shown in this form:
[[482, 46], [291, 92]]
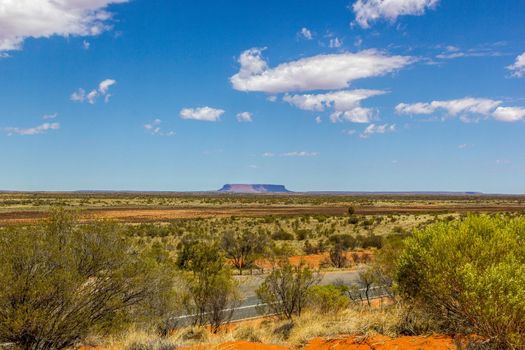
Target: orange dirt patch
[[238, 345], [436, 342], [317, 260]]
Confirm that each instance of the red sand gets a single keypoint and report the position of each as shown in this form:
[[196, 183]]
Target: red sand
[[378, 342]]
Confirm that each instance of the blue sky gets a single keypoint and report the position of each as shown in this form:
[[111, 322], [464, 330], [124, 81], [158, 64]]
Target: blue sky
[[365, 95]]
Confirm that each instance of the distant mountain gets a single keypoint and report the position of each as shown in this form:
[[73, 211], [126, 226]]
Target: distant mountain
[[253, 188]]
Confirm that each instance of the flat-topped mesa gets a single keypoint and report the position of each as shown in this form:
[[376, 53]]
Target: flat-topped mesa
[[253, 188]]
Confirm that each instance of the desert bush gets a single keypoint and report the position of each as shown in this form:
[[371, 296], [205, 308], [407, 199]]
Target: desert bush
[[337, 256], [62, 281], [244, 248], [470, 274], [346, 241], [284, 291], [282, 235], [210, 286], [327, 299], [370, 241]]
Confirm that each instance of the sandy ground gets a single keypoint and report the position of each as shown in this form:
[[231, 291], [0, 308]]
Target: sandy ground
[[435, 342], [167, 214]]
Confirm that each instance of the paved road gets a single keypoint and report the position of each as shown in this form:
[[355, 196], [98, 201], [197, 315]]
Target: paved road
[[249, 284]]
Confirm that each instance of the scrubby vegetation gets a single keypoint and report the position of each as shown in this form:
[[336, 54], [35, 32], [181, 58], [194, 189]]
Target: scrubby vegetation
[[470, 277], [65, 280], [61, 282]]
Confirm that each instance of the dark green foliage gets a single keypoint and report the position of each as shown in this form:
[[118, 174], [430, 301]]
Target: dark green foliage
[[345, 241], [282, 235]]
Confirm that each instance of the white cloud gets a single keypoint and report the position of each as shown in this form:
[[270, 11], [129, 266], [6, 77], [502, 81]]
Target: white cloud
[[21, 19], [339, 100], [203, 113], [356, 115], [321, 72], [318, 120], [291, 154], [86, 45], [335, 43], [91, 97], [154, 128], [40, 129], [306, 33], [509, 114], [346, 104], [50, 116], [517, 69], [377, 129], [468, 109], [104, 85], [367, 11], [244, 117], [452, 107], [300, 154]]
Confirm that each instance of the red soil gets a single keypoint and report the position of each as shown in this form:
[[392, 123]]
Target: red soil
[[384, 343], [238, 345], [317, 260], [378, 342]]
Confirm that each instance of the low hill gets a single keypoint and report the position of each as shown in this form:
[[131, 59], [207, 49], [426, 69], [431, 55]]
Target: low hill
[[253, 188]]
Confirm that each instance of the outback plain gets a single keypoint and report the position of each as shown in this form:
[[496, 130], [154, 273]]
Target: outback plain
[[261, 271]]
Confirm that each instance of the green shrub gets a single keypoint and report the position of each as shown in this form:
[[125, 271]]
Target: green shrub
[[327, 299], [344, 240], [285, 289], [470, 275], [282, 236], [61, 281]]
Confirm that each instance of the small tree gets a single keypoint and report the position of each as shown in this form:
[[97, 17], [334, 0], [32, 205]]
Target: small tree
[[243, 249], [285, 290], [212, 292], [366, 280], [337, 256]]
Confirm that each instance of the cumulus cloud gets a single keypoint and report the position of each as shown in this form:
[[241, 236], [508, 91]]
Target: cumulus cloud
[[154, 128], [244, 117], [517, 69], [509, 114], [321, 72], [367, 11], [202, 113], [355, 115], [306, 33], [377, 129], [40, 129], [91, 97], [466, 108], [345, 104], [21, 19]]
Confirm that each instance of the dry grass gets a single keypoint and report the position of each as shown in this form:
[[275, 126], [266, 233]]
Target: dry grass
[[356, 321]]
